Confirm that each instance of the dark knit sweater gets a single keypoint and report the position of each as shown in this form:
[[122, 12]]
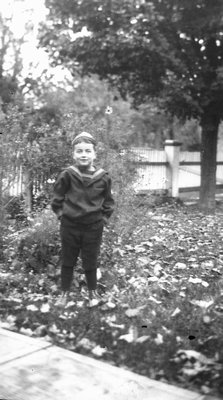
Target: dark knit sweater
[[83, 197]]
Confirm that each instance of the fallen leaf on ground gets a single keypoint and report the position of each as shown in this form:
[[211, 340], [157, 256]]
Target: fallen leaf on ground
[[45, 308], [205, 284], [86, 344], [70, 304], [159, 339], [41, 330], [176, 312], [152, 279], [133, 312], [193, 354], [54, 329], [209, 264], [180, 265], [71, 335], [131, 336], [142, 339], [157, 269], [202, 303], [194, 280], [26, 331], [98, 351], [32, 307], [151, 298], [206, 319], [108, 306]]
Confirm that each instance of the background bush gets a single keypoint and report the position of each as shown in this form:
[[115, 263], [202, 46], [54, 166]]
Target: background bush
[[14, 207], [39, 244]]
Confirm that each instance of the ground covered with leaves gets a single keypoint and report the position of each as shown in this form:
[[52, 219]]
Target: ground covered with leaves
[[163, 313]]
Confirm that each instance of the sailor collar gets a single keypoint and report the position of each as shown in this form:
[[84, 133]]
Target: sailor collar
[[97, 174]]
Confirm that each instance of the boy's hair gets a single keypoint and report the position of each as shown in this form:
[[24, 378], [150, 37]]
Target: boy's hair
[[84, 137]]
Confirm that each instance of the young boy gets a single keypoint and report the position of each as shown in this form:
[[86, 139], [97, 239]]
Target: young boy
[[83, 203]]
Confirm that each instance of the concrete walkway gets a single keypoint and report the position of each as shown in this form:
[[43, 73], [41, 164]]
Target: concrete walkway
[[33, 369]]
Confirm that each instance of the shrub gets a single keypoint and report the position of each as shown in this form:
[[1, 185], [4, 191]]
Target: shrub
[[40, 242], [41, 200], [14, 207]]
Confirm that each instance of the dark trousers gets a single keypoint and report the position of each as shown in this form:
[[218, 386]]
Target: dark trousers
[[80, 239]]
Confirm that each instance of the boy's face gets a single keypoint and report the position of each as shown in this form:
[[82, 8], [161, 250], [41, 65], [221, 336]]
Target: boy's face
[[84, 154]]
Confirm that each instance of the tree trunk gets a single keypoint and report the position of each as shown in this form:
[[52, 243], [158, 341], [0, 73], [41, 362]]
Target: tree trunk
[[28, 191], [209, 125]]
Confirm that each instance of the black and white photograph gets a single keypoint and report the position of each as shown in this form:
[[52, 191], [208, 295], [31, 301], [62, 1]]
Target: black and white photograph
[[111, 199]]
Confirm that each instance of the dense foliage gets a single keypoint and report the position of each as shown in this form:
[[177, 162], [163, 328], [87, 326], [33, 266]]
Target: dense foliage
[[148, 48]]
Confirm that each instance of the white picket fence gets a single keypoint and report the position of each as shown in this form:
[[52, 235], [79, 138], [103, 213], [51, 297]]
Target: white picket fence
[[171, 169], [151, 169], [168, 170]]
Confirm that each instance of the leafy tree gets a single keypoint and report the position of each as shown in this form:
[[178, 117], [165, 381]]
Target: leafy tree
[[11, 64], [11, 90], [171, 49], [31, 141], [8, 78]]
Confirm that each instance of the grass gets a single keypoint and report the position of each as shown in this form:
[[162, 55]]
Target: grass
[[165, 280]]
